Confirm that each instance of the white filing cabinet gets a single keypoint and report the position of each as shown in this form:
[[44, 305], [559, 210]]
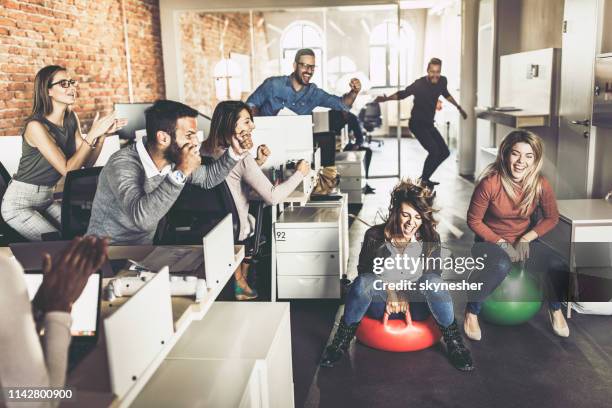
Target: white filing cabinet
[[309, 252], [344, 226], [238, 355], [351, 167]]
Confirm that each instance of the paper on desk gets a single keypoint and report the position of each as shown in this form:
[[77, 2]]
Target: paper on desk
[[286, 112], [177, 259]]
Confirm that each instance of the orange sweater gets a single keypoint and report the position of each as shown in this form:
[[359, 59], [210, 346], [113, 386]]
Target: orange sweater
[[493, 215]]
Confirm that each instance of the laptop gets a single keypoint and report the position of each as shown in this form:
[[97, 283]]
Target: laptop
[[85, 311]]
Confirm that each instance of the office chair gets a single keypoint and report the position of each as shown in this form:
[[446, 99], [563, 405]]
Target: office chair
[[370, 116], [79, 192], [198, 210], [7, 234]]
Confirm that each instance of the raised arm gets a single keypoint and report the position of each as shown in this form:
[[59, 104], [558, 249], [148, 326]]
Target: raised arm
[[144, 208], [270, 194], [208, 176], [37, 135], [399, 95]]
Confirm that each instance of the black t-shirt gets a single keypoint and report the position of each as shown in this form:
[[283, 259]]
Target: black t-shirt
[[426, 97]]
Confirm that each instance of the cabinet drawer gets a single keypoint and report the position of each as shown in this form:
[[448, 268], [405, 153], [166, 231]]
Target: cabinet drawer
[[354, 196], [350, 169], [352, 183], [308, 264], [306, 239], [308, 287], [593, 233]]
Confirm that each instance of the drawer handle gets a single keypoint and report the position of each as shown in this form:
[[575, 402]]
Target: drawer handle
[[308, 282], [308, 258]]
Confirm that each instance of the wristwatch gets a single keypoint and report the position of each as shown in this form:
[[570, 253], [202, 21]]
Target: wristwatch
[[178, 176]]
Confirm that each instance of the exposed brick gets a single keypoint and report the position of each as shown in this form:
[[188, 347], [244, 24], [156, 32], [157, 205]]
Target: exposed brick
[[85, 36], [200, 39]]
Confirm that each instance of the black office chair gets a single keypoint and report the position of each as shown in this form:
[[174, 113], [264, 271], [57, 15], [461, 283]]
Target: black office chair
[[370, 116], [79, 192], [198, 210], [7, 234]]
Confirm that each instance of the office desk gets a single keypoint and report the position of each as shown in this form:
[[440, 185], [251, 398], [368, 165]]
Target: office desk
[[580, 221], [91, 377], [232, 368]]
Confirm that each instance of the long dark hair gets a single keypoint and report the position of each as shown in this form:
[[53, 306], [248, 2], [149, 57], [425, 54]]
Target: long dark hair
[[421, 199], [223, 124], [43, 105]]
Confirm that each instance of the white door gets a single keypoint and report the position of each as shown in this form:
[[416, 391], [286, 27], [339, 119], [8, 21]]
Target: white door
[[575, 109]]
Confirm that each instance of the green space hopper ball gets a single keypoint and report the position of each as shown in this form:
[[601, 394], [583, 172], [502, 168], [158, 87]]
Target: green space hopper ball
[[516, 300]]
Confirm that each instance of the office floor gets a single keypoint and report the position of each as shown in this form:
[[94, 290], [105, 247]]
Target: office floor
[[520, 366]]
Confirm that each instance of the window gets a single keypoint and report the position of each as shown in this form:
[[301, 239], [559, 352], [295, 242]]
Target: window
[[298, 35], [228, 81], [337, 68], [391, 54]]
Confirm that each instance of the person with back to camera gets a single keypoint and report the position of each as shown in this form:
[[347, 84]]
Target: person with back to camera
[[509, 192], [52, 146], [409, 229], [24, 361], [234, 119]]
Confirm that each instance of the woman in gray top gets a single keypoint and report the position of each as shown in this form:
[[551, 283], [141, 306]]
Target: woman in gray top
[[234, 119], [52, 146]]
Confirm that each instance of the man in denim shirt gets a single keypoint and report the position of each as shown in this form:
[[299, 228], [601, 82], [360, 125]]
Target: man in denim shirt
[[295, 92]]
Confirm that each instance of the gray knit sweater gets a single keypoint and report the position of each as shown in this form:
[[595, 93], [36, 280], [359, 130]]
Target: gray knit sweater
[[128, 205]]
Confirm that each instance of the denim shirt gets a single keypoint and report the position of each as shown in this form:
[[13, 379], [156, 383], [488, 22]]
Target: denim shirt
[[276, 93]]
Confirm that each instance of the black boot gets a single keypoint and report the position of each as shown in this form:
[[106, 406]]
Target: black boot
[[458, 354], [339, 345]]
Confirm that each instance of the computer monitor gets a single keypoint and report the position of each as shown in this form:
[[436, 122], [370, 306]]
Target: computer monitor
[[134, 113], [85, 311]]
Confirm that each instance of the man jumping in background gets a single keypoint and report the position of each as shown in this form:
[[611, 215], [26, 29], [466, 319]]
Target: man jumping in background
[[426, 91], [295, 92]]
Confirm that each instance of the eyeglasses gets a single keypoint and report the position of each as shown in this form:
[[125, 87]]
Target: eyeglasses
[[65, 83], [307, 67]]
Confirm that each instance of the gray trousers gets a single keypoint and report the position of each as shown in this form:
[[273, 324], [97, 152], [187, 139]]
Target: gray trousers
[[30, 210]]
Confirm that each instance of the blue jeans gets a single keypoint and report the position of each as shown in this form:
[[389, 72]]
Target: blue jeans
[[363, 299], [543, 263]]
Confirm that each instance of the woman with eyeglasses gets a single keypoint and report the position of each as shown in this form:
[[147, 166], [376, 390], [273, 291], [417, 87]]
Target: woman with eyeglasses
[[510, 191], [52, 146], [408, 233]]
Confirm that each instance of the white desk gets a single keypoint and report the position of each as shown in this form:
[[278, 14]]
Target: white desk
[[91, 377], [581, 221], [256, 332]]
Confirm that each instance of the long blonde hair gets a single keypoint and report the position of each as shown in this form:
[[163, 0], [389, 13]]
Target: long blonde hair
[[531, 185]]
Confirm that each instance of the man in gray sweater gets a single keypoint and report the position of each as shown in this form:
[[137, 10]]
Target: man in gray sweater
[[140, 183]]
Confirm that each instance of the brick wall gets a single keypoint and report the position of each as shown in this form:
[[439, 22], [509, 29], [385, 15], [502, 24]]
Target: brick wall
[[201, 37], [85, 36]]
